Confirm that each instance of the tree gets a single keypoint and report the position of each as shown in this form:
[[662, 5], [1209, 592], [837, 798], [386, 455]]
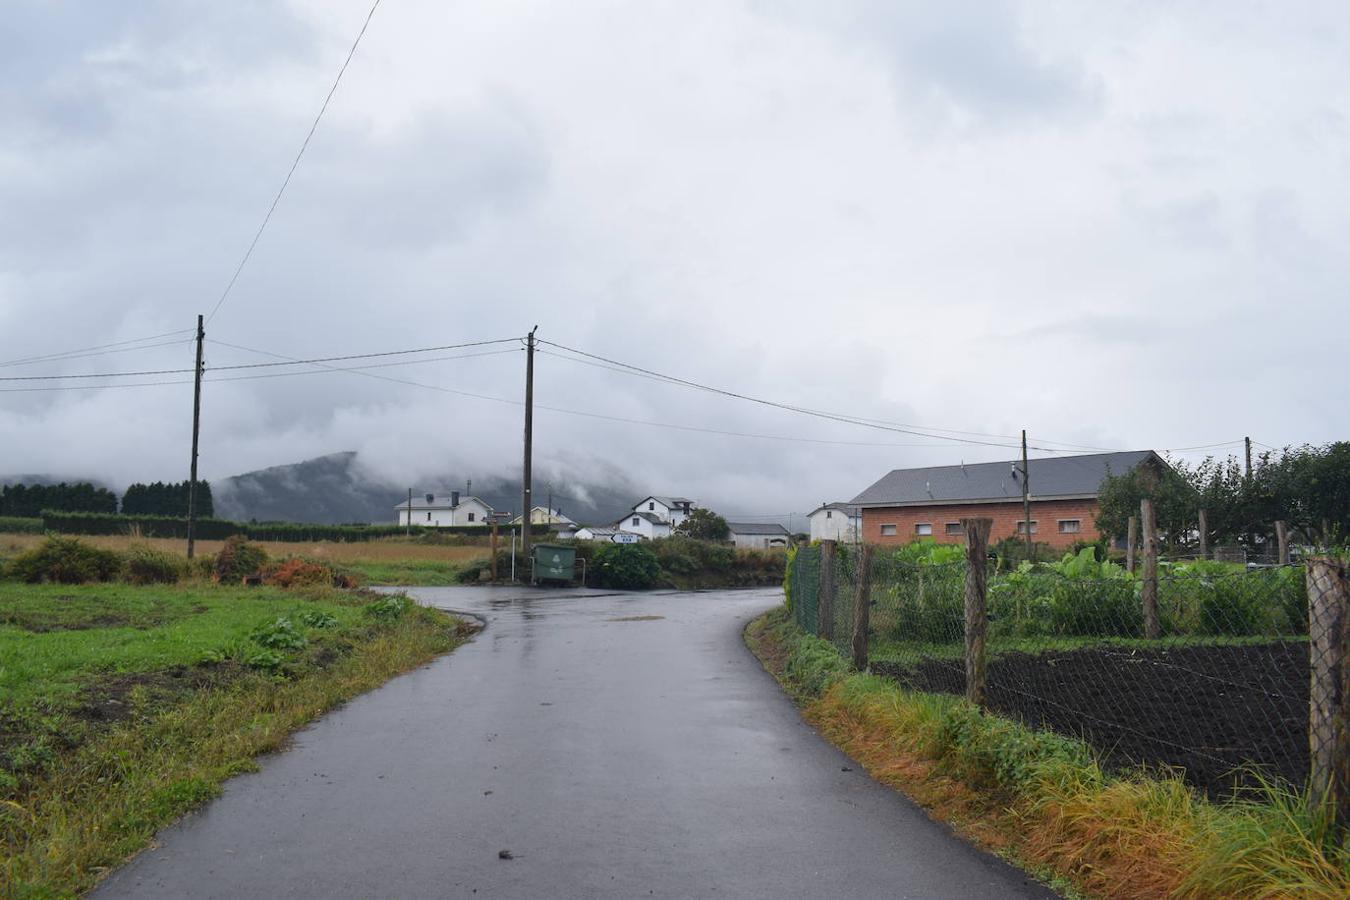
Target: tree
[[30, 500], [704, 525], [160, 499]]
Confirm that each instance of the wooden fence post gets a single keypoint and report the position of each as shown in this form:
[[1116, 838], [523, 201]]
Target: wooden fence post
[[1152, 626], [1204, 534], [1282, 541], [1329, 706], [977, 621], [862, 602], [825, 610], [1132, 529]]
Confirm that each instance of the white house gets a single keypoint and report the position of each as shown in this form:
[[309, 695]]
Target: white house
[[756, 536], [836, 522], [643, 523], [670, 510], [593, 533], [441, 511]]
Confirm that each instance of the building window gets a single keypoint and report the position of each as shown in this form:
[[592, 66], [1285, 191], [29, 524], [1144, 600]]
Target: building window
[[636, 520], [829, 514], [1022, 526], [923, 528], [428, 517], [1070, 526], [955, 528], [470, 517], [887, 530], [651, 507]]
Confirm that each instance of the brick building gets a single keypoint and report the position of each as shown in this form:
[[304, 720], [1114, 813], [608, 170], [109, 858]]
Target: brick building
[[908, 504]]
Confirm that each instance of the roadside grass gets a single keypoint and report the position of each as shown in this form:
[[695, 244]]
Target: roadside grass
[[1043, 801], [123, 707], [388, 561]]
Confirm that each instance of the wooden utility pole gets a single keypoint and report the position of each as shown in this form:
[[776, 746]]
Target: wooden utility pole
[[196, 432], [1026, 494], [408, 531], [1329, 708], [1204, 534], [1248, 442], [1132, 527], [493, 519], [825, 613], [1152, 624], [977, 620], [529, 447], [1282, 541], [862, 608]]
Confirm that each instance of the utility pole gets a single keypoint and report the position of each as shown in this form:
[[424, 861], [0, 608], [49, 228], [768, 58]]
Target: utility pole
[[1248, 442], [526, 505], [1026, 494], [408, 531], [196, 431]]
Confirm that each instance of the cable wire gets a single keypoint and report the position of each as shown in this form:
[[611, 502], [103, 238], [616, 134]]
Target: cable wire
[[89, 351], [303, 146]]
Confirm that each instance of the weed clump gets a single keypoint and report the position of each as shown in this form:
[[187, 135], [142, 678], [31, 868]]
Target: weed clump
[[298, 572], [239, 561], [146, 565], [64, 560]]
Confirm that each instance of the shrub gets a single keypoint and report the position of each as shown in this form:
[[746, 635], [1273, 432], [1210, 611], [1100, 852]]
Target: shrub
[[295, 571], [1101, 607], [65, 560], [239, 560], [20, 525], [146, 565], [387, 609], [280, 634], [628, 567]]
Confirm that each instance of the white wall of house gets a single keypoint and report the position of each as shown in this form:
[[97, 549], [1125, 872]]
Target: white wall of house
[[440, 514], [673, 515], [635, 524], [834, 525], [758, 541]]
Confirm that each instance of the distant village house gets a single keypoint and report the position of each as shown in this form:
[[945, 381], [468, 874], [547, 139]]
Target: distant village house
[[835, 522], [908, 504], [754, 536], [442, 511]]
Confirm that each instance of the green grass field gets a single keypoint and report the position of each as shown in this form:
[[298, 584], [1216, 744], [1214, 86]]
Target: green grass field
[[122, 707]]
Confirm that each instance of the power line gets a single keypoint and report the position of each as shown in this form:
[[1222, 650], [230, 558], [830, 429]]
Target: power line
[[303, 146], [325, 359], [836, 417], [90, 351]]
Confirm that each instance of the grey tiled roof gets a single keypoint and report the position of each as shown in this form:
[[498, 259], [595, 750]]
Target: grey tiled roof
[[1064, 476], [757, 528], [849, 508]]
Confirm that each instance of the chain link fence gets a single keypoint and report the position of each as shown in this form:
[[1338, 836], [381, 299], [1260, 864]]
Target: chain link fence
[[1222, 695]]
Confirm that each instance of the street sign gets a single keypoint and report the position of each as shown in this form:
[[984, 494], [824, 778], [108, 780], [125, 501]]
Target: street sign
[[625, 538]]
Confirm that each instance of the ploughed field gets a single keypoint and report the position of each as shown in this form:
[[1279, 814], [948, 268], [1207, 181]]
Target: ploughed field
[[1208, 710]]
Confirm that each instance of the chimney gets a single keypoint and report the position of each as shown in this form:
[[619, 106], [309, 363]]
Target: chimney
[[454, 498]]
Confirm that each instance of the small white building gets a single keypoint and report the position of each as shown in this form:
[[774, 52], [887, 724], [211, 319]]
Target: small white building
[[670, 510], [836, 522], [593, 533], [644, 524], [757, 536], [442, 511]]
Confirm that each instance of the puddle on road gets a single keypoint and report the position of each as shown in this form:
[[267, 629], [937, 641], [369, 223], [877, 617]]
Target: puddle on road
[[635, 619]]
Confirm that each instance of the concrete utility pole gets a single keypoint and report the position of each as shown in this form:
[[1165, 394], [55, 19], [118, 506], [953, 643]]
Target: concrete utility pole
[[196, 432], [1026, 494], [526, 505]]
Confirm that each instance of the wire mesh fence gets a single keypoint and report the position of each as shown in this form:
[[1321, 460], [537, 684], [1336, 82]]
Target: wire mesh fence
[[1222, 695]]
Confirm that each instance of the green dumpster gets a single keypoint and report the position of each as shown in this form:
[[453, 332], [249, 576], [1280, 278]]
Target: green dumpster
[[554, 562]]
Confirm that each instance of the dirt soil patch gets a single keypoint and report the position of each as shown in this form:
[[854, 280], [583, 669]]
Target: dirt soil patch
[[1207, 710]]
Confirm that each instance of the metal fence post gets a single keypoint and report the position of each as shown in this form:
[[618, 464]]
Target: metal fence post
[[862, 602], [827, 589], [977, 622], [1152, 625], [1329, 706]]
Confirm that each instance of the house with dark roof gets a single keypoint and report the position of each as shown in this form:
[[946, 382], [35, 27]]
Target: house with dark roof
[[656, 517], [758, 536], [907, 504], [441, 510]]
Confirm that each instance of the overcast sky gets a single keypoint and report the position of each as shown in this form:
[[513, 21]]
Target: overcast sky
[[1115, 225]]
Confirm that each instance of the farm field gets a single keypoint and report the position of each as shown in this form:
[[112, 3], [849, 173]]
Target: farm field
[[383, 562], [122, 707]]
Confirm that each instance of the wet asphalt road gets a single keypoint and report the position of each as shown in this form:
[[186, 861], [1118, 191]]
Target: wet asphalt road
[[611, 758]]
